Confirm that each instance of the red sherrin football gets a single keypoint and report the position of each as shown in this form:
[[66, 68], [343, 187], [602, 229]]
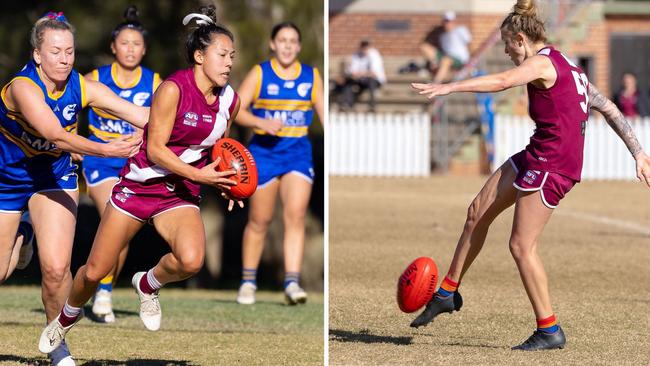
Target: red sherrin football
[[235, 156], [417, 284]]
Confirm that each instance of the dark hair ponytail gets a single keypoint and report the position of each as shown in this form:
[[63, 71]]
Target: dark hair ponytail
[[131, 21], [206, 26]]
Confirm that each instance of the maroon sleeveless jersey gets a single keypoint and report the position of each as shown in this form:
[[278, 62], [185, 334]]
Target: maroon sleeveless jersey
[[560, 114], [197, 126]]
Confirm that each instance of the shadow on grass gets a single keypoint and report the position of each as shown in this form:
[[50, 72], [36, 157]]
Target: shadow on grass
[[88, 313], [259, 302], [34, 361], [465, 344], [42, 361], [137, 362], [364, 336]]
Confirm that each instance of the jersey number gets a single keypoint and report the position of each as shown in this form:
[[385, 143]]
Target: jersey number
[[581, 86]]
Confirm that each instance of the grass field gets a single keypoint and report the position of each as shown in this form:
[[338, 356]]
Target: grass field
[[199, 328], [596, 250]]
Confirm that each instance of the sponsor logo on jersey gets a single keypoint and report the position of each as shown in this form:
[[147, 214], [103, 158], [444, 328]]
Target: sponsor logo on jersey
[[289, 84], [303, 89], [115, 126], [38, 143], [288, 118], [125, 93], [69, 111], [191, 119], [273, 89], [207, 118], [140, 98]]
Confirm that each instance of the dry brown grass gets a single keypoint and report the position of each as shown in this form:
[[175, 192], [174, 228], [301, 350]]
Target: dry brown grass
[[596, 250]]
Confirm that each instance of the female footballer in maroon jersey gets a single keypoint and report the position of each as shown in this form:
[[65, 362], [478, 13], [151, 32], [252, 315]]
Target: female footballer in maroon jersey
[[191, 110], [537, 178]]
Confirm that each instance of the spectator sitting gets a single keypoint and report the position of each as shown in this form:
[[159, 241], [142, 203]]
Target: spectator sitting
[[445, 48], [632, 102], [364, 71]]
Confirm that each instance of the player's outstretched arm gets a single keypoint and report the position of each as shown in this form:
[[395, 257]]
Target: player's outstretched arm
[[534, 68], [619, 124], [102, 97]]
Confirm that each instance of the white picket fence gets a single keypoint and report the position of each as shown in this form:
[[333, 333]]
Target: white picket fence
[[379, 144], [605, 154], [399, 145]]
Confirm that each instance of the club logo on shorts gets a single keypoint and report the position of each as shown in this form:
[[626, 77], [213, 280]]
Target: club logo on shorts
[[191, 119], [124, 195], [531, 176]]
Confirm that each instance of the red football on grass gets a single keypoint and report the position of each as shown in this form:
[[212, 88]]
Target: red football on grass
[[234, 156], [417, 284]]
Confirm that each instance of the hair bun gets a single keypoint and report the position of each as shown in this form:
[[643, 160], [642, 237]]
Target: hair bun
[[131, 14], [525, 8], [209, 11]]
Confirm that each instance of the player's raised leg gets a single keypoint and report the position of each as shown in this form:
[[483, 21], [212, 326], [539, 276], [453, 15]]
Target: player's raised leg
[[496, 195], [262, 205], [182, 228]]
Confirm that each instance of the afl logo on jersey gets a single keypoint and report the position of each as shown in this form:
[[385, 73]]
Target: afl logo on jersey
[[140, 98], [191, 119], [273, 89], [69, 111], [303, 89]]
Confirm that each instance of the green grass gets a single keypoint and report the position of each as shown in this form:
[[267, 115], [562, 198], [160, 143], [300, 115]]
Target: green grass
[[199, 328], [596, 250]]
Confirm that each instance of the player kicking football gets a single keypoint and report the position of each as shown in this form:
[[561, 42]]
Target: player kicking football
[[537, 178]]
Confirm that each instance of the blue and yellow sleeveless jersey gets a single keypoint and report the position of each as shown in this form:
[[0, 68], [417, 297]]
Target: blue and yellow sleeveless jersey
[[290, 100], [102, 126], [27, 159]]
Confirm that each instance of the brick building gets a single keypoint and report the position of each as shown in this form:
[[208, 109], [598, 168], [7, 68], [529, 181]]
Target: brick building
[[606, 37]]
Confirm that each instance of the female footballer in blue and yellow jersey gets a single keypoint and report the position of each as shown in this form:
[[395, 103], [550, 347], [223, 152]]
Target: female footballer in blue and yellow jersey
[[39, 108], [282, 94], [135, 83]]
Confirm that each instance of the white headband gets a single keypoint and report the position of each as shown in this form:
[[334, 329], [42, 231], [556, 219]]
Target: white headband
[[202, 19]]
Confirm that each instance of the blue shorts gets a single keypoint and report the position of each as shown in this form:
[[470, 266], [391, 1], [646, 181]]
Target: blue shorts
[[14, 196], [271, 166], [96, 169]]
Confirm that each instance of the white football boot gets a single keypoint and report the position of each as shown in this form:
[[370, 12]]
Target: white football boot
[[150, 312], [54, 335], [294, 294], [103, 306], [246, 293]]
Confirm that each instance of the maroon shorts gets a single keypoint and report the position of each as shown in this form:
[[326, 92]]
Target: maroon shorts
[[143, 202], [552, 186]]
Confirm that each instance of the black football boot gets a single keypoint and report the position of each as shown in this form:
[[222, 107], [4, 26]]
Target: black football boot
[[542, 341], [436, 306]]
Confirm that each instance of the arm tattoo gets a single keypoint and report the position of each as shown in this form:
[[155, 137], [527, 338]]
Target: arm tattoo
[[614, 118]]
